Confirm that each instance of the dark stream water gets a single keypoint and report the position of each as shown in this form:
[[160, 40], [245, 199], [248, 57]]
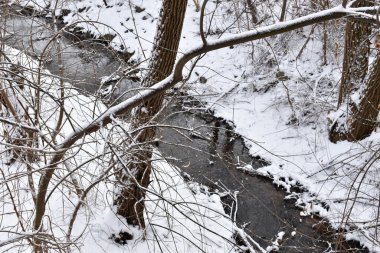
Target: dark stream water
[[212, 157]]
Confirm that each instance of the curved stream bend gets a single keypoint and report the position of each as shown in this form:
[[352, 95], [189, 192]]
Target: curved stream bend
[[261, 206]]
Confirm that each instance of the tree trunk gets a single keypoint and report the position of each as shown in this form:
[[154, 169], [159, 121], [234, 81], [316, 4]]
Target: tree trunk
[[355, 68], [131, 199], [253, 11], [361, 118], [283, 10], [364, 115], [356, 53]]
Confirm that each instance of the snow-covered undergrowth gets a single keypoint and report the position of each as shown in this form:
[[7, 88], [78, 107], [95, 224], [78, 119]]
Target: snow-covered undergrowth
[[181, 217], [277, 93]]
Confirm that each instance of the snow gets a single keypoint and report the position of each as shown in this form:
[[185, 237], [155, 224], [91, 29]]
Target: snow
[[276, 243], [246, 91], [181, 217], [179, 220]]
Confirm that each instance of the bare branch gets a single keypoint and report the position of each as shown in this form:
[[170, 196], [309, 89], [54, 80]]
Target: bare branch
[[25, 127], [174, 78], [201, 22]]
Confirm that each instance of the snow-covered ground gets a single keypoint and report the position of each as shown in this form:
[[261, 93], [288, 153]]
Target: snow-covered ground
[[183, 216], [277, 93]]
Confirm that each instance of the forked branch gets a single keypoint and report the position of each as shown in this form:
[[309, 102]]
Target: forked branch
[[175, 77]]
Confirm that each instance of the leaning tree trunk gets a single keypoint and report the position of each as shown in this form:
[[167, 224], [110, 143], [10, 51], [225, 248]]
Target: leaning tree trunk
[[131, 199], [363, 118], [355, 67]]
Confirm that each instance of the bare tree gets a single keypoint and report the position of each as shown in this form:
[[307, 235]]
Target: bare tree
[[149, 97], [253, 11], [356, 53], [283, 10], [362, 114], [355, 70], [172, 14]]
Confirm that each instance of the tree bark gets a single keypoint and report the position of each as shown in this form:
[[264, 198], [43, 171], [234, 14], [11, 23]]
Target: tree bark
[[131, 199], [363, 116], [355, 70], [253, 11], [160, 87], [356, 53], [283, 10]]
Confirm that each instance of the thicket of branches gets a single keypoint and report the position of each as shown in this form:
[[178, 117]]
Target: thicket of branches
[[56, 137]]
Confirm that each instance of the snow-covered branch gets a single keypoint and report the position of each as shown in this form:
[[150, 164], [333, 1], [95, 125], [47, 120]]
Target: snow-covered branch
[[176, 76]]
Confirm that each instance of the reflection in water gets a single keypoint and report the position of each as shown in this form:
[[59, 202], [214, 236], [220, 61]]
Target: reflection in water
[[261, 206], [213, 142]]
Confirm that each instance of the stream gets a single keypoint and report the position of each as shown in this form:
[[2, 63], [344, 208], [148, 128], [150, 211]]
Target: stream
[[211, 159]]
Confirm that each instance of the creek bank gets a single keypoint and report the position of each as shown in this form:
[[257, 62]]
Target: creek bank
[[212, 157], [263, 209]]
